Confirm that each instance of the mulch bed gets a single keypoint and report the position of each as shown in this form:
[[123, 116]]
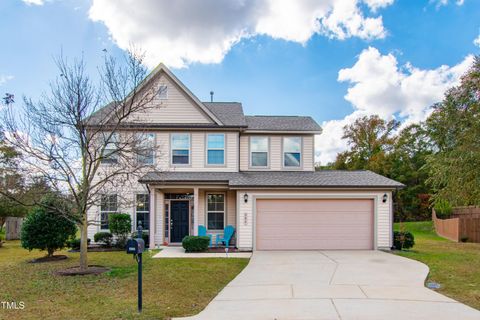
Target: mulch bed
[[49, 259], [222, 250], [99, 249], [75, 271]]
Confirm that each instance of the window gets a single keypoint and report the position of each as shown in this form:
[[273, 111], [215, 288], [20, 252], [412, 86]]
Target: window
[[292, 151], [216, 148], [163, 92], [146, 148], [108, 205], [215, 211], [180, 148], [142, 209], [110, 154], [259, 151]]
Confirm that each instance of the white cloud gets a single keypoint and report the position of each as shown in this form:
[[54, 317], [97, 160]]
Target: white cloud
[[34, 2], [378, 85], [4, 79], [477, 41], [182, 32], [439, 3]]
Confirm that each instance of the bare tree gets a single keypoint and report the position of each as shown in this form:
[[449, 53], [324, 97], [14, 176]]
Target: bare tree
[[81, 135]]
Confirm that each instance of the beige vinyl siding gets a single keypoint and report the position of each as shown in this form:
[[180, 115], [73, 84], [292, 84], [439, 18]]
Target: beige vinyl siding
[[197, 153], [276, 153], [159, 217], [382, 219], [202, 205], [231, 217], [177, 108]]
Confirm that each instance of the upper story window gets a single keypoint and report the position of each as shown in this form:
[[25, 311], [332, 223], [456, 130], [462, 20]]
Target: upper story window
[[215, 148], [292, 151], [259, 151], [163, 92], [180, 148], [110, 153], [146, 148], [108, 205]]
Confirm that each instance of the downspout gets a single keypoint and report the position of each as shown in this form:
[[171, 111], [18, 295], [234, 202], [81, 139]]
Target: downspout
[[392, 219]]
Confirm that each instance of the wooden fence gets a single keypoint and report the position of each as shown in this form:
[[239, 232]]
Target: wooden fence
[[464, 224]]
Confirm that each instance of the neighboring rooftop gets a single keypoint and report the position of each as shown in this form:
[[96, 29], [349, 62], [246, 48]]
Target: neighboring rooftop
[[282, 123], [315, 179], [229, 113]]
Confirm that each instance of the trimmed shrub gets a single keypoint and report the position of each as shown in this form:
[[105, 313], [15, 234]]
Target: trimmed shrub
[[145, 238], [443, 209], [195, 243], [403, 240], [74, 244], [43, 229], [104, 237], [120, 225]]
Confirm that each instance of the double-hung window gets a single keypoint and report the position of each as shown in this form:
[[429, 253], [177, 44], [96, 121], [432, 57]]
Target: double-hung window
[[259, 151], [142, 208], [215, 211], [146, 148], [292, 151], [108, 205], [216, 149], [180, 148], [110, 152]]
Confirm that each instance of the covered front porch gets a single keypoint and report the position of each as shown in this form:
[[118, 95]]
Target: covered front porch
[[178, 211]]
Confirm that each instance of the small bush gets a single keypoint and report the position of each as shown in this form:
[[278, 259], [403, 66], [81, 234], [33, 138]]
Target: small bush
[[120, 224], [145, 238], [74, 244], [403, 240], [104, 237], [443, 209], [45, 229], [195, 243]]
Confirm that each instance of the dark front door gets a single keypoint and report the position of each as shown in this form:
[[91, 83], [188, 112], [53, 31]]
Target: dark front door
[[178, 220]]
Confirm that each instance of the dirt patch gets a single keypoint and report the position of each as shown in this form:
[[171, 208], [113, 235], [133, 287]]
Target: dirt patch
[[75, 271], [49, 259]]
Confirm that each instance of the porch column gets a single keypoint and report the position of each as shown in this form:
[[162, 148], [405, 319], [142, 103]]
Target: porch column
[[152, 219], [195, 211]]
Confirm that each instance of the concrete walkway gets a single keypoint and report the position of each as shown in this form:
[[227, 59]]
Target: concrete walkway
[[179, 252], [332, 285]]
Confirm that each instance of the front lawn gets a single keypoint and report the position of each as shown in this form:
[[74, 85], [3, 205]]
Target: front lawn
[[171, 287], [456, 266]]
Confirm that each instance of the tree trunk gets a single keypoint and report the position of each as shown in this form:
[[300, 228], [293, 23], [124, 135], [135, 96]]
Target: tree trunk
[[84, 243], [50, 252]]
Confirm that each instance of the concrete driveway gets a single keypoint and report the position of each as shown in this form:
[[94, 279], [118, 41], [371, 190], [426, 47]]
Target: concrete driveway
[[332, 285]]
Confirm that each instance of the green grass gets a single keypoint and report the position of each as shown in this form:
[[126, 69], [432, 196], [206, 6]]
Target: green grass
[[171, 287], [456, 266]]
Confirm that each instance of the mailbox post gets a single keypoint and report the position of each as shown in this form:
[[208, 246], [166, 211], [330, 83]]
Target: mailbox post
[[136, 247]]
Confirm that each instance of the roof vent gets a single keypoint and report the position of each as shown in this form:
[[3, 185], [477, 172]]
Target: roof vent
[[211, 96]]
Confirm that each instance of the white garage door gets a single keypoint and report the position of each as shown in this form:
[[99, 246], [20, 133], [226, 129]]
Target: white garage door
[[308, 224]]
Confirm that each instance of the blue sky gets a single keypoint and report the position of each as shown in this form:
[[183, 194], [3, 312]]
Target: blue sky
[[329, 60]]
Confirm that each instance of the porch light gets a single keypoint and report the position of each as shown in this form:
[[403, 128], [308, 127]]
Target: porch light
[[384, 198], [245, 198]]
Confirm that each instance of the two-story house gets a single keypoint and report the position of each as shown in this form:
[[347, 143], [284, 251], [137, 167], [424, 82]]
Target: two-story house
[[217, 167]]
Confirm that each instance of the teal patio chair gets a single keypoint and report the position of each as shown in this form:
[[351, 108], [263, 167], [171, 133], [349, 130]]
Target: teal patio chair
[[226, 237], [202, 232]]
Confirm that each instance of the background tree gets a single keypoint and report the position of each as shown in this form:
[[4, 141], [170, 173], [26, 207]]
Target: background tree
[[454, 130], [63, 143]]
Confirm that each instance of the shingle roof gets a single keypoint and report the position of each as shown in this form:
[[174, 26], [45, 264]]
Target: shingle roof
[[229, 113], [319, 179], [282, 123]]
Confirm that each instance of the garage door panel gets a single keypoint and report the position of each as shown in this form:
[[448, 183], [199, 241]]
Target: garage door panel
[[295, 224]]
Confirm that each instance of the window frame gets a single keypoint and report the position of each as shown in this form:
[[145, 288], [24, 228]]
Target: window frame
[[250, 153], [107, 212], [214, 211], [300, 165], [154, 143], [224, 149], [189, 149], [142, 211], [112, 159], [166, 92]]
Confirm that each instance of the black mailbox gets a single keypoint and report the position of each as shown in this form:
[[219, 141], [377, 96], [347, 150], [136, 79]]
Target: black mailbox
[[135, 246]]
